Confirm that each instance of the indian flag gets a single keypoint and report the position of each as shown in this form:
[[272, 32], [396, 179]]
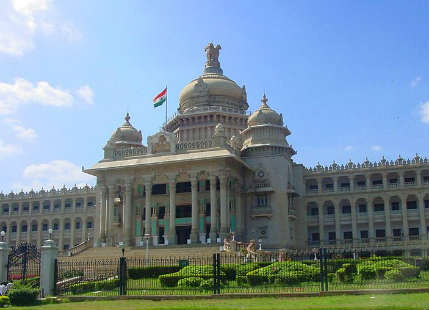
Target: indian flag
[[160, 98]]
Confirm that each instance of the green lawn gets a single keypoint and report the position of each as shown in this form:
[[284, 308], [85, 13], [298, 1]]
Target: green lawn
[[362, 302]]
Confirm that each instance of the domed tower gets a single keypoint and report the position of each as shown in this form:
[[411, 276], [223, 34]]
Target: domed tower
[[210, 99], [267, 151], [124, 137]]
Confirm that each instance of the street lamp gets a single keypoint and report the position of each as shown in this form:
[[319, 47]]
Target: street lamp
[[121, 245], [2, 234], [146, 238], [260, 244], [50, 233]]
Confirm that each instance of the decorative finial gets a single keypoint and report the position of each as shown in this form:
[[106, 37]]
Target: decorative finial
[[127, 117], [264, 100], [212, 64]]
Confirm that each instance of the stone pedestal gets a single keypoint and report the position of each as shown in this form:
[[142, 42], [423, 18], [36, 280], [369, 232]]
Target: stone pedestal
[[47, 267], [4, 251]]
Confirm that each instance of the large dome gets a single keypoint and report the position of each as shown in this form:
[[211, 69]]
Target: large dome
[[212, 88], [126, 135], [265, 115]]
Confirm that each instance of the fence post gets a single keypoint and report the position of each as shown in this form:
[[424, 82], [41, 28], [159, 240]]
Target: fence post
[[218, 272], [326, 270], [4, 255], [214, 274], [47, 268], [122, 276], [323, 270]]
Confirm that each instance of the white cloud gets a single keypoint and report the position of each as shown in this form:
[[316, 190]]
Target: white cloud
[[376, 148], [348, 148], [22, 20], [22, 91], [416, 81], [424, 112], [9, 150], [55, 173], [86, 93], [28, 134]]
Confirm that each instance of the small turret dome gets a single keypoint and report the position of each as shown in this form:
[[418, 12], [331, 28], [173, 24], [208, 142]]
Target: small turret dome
[[265, 115], [126, 135]]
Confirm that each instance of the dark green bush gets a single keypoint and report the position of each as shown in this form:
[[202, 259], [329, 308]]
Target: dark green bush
[[394, 275], [4, 301], [71, 274], [208, 285], [409, 272], [33, 282], [205, 272], [190, 282], [150, 272], [83, 287], [90, 286], [23, 296], [106, 285], [230, 270]]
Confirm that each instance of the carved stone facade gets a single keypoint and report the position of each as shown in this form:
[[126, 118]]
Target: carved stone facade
[[214, 169]]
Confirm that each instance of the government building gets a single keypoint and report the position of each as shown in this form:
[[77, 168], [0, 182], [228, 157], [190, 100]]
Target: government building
[[213, 171]]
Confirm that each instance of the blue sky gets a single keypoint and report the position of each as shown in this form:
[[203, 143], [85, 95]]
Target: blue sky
[[350, 77]]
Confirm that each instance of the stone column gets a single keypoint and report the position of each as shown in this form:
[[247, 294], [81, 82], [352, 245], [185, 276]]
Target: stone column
[[195, 230], [404, 217], [72, 230], [110, 214], [335, 179], [61, 235], [29, 230], [127, 214], [84, 229], [421, 206], [368, 181], [388, 220], [354, 223], [148, 206], [319, 185], [85, 204], [419, 178], [352, 183], [4, 252], [385, 185], [18, 232], [321, 225], [371, 233], [47, 267], [213, 207], [100, 215], [239, 214], [172, 224], [223, 207], [337, 223]]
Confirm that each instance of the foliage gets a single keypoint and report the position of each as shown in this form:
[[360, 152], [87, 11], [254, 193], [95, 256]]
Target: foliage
[[394, 275], [4, 301], [190, 282], [232, 271], [27, 283], [208, 285], [23, 296], [284, 272], [90, 286], [204, 271], [376, 267], [71, 274], [151, 272]]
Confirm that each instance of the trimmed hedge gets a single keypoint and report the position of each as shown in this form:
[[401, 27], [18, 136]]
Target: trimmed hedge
[[204, 271], [4, 301], [285, 273], [33, 282], [190, 282], [208, 285], [233, 271], [23, 296], [91, 286], [150, 272], [376, 268]]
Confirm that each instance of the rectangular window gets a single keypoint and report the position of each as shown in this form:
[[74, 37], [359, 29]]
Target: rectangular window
[[409, 180], [78, 204], [348, 235], [24, 228], [183, 211], [413, 231], [331, 210], [208, 209], [331, 235], [15, 209], [89, 225], [161, 212], [362, 209], [77, 225], [45, 207], [26, 208], [183, 187], [159, 189], [45, 227], [314, 211], [315, 237], [55, 226], [345, 185], [207, 186], [56, 206], [364, 234], [393, 181], [378, 207], [261, 200], [36, 207], [6, 210], [426, 202], [313, 187], [411, 205], [347, 209], [426, 179], [329, 186], [361, 183], [14, 229], [90, 203], [67, 226], [380, 233], [34, 227], [397, 232], [67, 205], [377, 182], [395, 206]]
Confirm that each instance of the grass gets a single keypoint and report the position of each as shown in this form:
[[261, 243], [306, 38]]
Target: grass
[[418, 301]]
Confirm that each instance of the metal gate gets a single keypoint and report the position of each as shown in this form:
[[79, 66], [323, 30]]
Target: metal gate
[[23, 262]]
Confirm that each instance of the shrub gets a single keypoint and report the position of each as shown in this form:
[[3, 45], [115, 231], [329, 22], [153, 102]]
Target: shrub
[[23, 296], [33, 282], [409, 271], [394, 275], [4, 301], [190, 282], [71, 274], [90, 286], [376, 267], [331, 277], [208, 285], [106, 285], [150, 272], [343, 276], [204, 271], [284, 272], [230, 270], [82, 287]]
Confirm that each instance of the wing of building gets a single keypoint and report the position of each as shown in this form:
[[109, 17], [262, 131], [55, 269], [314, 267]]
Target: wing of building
[[214, 170]]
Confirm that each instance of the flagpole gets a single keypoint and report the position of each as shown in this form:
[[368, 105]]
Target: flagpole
[[166, 103]]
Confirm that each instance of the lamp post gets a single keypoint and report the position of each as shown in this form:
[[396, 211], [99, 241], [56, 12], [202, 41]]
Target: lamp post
[[260, 244], [2, 234], [50, 233], [146, 238], [121, 246]]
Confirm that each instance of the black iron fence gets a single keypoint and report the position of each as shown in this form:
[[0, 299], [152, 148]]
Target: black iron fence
[[292, 271]]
